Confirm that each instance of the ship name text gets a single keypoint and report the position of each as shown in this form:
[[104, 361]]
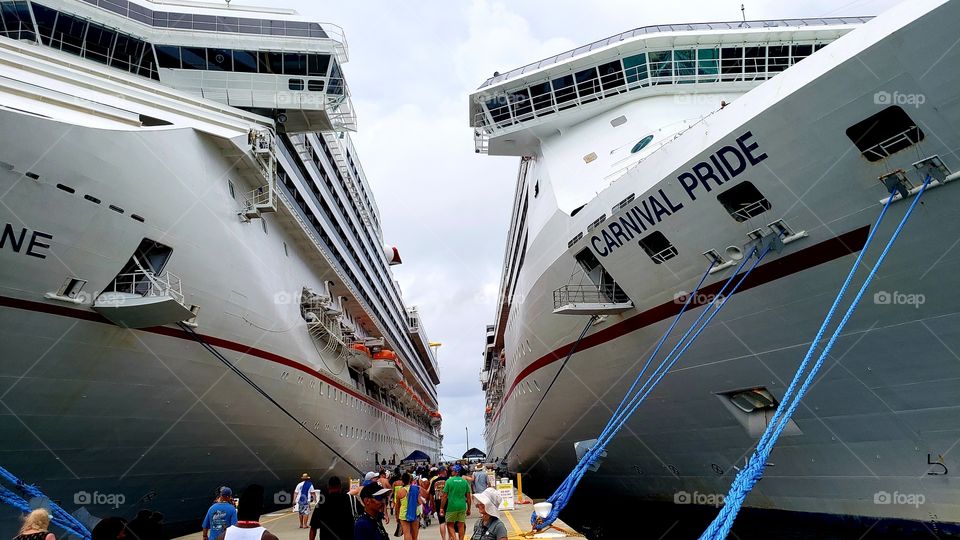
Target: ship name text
[[720, 167], [23, 240]]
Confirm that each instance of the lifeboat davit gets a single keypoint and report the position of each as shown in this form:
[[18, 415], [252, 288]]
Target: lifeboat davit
[[359, 357], [385, 371], [435, 419]]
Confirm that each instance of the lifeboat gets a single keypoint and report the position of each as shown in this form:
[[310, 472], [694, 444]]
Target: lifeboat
[[359, 358], [435, 419], [385, 371], [398, 390]]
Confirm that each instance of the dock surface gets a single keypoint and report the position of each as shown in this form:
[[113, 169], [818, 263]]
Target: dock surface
[[284, 524]]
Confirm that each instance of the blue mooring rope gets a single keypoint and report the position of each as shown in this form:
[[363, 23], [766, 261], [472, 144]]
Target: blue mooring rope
[[753, 471], [58, 516], [635, 397]]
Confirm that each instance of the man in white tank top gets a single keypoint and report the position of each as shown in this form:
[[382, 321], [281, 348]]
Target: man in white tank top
[[249, 510]]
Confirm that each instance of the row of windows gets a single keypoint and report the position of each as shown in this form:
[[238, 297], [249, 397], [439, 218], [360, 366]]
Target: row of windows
[[212, 59], [93, 41], [211, 23], [678, 66]]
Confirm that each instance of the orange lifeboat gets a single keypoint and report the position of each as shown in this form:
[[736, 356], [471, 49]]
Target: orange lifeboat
[[435, 419], [359, 357], [385, 371]]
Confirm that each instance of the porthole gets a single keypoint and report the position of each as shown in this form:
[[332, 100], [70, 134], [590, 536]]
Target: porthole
[[641, 144]]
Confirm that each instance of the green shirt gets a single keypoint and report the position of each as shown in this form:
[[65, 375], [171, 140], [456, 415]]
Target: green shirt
[[456, 489]]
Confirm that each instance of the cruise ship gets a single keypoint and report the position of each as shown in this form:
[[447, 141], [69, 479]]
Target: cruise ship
[[195, 287], [649, 157]]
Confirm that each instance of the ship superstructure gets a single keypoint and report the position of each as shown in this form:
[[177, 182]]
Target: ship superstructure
[[646, 157], [188, 234]]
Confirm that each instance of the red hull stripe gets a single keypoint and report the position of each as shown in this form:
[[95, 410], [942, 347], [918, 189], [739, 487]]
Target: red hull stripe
[[817, 254], [93, 316]]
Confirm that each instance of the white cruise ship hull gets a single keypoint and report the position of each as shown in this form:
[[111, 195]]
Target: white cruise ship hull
[[149, 417], [881, 417]]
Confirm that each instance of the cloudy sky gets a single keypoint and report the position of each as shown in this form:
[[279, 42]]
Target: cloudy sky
[[412, 66]]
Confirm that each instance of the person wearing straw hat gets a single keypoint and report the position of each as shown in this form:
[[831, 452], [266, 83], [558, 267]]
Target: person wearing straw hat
[[489, 526]]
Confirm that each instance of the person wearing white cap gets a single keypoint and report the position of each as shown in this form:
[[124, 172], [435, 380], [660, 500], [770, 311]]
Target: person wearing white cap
[[369, 477], [489, 526]]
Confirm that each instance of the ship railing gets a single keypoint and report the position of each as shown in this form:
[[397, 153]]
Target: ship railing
[[664, 255], [148, 284], [748, 211], [589, 294], [884, 148]]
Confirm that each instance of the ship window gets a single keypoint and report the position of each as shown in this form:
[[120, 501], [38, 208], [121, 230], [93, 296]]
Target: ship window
[[68, 34], [563, 89], [92, 199], [295, 84], [778, 57], [16, 20], [317, 64], [168, 56], [622, 204], [127, 53], [685, 64], [233, 195], [753, 400], [570, 244], [641, 144], [658, 248], [744, 201], [220, 59], [611, 75], [294, 64], [660, 64], [636, 68], [587, 83], [194, 57], [520, 102], [618, 121], [46, 19], [731, 62], [99, 43], [244, 62], [542, 100], [315, 85], [593, 225], [708, 61], [801, 51], [755, 60], [885, 133], [270, 62]]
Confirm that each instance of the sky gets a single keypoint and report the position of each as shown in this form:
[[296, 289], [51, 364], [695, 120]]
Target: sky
[[412, 67]]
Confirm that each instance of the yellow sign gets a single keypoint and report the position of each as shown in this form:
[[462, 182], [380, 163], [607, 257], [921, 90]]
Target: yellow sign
[[507, 499]]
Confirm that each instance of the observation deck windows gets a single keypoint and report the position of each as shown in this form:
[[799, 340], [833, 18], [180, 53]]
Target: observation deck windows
[[69, 32], [708, 63], [541, 98], [778, 57], [168, 56], [754, 61], [317, 64], [270, 62], [801, 51], [99, 43], [294, 64], [315, 86], [611, 75], [661, 65], [520, 103]]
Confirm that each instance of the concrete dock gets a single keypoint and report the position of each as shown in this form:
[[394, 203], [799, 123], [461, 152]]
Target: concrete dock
[[284, 524]]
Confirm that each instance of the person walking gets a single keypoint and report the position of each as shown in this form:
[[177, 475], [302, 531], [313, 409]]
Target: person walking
[[369, 525], [221, 514], [489, 526], [302, 497], [480, 480], [436, 493], [408, 507], [249, 510], [35, 526], [333, 515], [455, 504]]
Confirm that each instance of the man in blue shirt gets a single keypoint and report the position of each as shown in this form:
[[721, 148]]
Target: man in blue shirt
[[369, 525], [221, 515]]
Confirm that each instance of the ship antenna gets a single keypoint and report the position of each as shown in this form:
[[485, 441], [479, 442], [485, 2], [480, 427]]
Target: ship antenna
[[743, 13]]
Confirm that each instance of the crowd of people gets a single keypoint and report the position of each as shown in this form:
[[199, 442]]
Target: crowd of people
[[412, 498]]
